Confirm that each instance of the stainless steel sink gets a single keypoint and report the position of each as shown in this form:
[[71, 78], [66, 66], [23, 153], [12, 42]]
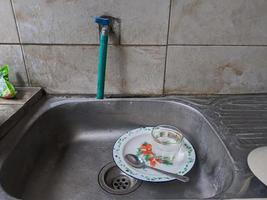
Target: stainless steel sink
[[69, 141]]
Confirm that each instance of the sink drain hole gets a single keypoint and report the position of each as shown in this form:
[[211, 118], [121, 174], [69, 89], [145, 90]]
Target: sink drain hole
[[114, 181], [121, 183]]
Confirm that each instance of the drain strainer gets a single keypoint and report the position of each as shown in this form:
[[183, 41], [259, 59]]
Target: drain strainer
[[115, 181]]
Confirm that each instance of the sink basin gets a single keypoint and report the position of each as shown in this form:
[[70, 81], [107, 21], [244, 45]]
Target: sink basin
[[62, 152]]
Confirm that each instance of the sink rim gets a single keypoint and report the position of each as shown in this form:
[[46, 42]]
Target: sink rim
[[59, 101]]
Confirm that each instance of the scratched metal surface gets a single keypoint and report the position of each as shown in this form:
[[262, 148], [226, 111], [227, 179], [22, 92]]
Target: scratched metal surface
[[246, 119], [244, 116], [240, 120]]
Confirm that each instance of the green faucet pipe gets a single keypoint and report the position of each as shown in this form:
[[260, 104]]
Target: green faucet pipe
[[103, 48]]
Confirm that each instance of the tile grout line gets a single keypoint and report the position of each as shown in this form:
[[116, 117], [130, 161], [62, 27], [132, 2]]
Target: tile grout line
[[20, 43], [74, 44], [218, 45], [166, 51], [139, 45]]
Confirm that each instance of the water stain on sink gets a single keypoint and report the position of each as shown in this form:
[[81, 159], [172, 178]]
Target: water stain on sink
[[58, 166]]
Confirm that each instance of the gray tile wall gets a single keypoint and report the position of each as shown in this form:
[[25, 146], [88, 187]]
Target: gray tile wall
[[166, 46], [73, 69]]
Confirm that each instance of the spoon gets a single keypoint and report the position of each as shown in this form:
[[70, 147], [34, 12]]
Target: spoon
[[136, 162]]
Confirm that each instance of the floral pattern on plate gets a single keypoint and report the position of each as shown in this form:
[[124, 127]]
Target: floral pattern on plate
[[146, 152]]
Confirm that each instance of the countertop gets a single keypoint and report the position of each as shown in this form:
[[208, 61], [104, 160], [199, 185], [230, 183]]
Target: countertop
[[11, 110]]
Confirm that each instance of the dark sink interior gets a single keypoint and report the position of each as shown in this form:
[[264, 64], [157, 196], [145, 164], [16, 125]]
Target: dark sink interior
[[60, 156]]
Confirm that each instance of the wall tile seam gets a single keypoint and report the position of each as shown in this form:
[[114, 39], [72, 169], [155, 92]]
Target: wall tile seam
[[91, 44], [221, 45], [21, 46], [133, 45], [166, 50]]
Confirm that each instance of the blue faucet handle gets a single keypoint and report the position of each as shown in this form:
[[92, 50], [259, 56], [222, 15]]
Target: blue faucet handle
[[102, 21]]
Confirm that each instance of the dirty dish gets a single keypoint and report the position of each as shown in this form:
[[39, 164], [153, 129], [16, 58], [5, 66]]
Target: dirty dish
[[139, 142]]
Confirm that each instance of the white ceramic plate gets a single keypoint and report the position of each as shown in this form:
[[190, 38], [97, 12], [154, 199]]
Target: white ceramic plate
[[136, 141], [257, 161]]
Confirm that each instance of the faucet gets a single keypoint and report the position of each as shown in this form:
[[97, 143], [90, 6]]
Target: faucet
[[104, 24]]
